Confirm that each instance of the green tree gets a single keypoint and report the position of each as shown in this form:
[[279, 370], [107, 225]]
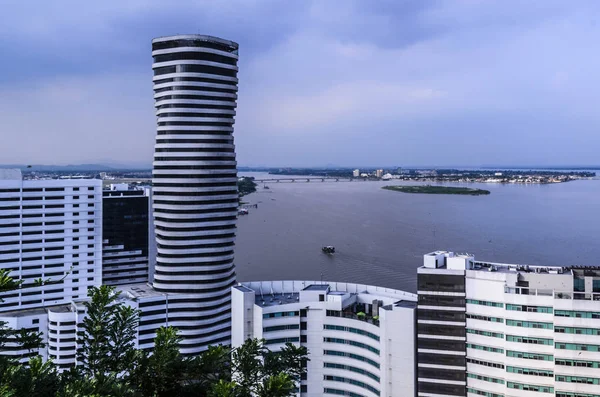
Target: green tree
[[106, 343], [257, 371]]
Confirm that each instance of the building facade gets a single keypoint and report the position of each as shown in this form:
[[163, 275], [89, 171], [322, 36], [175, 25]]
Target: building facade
[[360, 338], [491, 329], [125, 235], [50, 240], [195, 196]]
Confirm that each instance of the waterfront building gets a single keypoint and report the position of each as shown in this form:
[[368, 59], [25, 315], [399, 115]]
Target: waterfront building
[[194, 191], [378, 173], [51, 240], [356, 173], [125, 235], [360, 338], [492, 329]]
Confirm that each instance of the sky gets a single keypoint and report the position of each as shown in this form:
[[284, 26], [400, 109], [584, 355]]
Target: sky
[[324, 82]]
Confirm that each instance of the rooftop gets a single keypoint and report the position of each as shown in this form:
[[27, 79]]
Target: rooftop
[[267, 300], [138, 290]]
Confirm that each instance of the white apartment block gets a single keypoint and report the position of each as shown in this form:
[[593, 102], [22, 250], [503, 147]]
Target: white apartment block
[[499, 330], [50, 231], [360, 338]]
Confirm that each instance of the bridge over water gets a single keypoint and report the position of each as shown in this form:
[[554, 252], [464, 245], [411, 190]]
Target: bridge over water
[[312, 179]]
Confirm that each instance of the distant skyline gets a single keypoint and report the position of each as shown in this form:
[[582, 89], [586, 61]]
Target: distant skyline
[[422, 82]]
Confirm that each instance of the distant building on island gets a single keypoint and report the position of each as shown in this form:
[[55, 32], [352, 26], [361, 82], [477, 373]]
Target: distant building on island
[[356, 173], [379, 173]]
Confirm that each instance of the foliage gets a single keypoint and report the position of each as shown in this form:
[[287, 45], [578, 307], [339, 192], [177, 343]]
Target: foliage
[[111, 366], [246, 185], [428, 189]]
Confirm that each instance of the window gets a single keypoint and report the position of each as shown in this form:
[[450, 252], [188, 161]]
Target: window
[[350, 329], [529, 356], [577, 314], [352, 343], [485, 318], [35, 321], [484, 348], [529, 324], [531, 309], [577, 347], [484, 303], [486, 378], [522, 386], [578, 379], [531, 340], [485, 333], [529, 371]]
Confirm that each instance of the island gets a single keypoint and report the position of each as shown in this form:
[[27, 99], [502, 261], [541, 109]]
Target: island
[[428, 189]]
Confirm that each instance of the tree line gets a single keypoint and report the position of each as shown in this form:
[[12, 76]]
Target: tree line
[[110, 365]]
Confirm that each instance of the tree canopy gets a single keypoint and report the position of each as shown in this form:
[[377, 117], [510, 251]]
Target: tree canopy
[[110, 365]]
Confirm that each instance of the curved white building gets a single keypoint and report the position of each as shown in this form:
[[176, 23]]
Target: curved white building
[[194, 190], [360, 338]]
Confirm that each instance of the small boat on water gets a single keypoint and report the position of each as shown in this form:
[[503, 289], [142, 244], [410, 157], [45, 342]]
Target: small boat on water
[[243, 211], [328, 249]]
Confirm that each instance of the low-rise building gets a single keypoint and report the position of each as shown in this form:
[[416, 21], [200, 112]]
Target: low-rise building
[[360, 338], [493, 329]]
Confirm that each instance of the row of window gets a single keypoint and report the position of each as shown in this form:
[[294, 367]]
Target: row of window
[[281, 340], [577, 347], [577, 379], [576, 330], [352, 369], [483, 393], [528, 339], [351, 382], [352, 356], [484, 303], [531, 309], [574, 394], [485, 333], [486, 378], [339, 392], [522, 386], [485, 363], [484, 348], [281, 314], [529, 356], [352, 330], [578, 314], [281, 327], [529, 324], [529, 371], [577, 363], [485, 318], [352, 343]]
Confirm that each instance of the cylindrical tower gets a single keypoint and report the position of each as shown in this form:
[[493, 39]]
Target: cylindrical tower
[[195, 196]]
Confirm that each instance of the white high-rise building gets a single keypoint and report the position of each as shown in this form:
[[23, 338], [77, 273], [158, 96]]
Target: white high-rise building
[[360, 338], [194, 192], [51, 241], [356, 173], [491, 329]]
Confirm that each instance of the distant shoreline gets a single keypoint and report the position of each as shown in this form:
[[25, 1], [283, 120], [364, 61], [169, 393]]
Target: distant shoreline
[[465, 191]]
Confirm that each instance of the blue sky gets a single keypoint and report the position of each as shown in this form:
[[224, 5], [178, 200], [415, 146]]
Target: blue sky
[[351, 83]]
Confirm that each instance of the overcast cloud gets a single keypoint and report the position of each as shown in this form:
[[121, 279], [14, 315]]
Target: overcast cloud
[[351, 83]]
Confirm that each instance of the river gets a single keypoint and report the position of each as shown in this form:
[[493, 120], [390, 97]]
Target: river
[[380, 236]]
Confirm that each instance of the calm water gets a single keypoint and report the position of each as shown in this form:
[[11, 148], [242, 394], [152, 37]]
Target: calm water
[[380, 236]]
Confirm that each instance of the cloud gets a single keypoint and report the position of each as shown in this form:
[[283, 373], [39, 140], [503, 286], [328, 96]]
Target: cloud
[[386, 82]]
